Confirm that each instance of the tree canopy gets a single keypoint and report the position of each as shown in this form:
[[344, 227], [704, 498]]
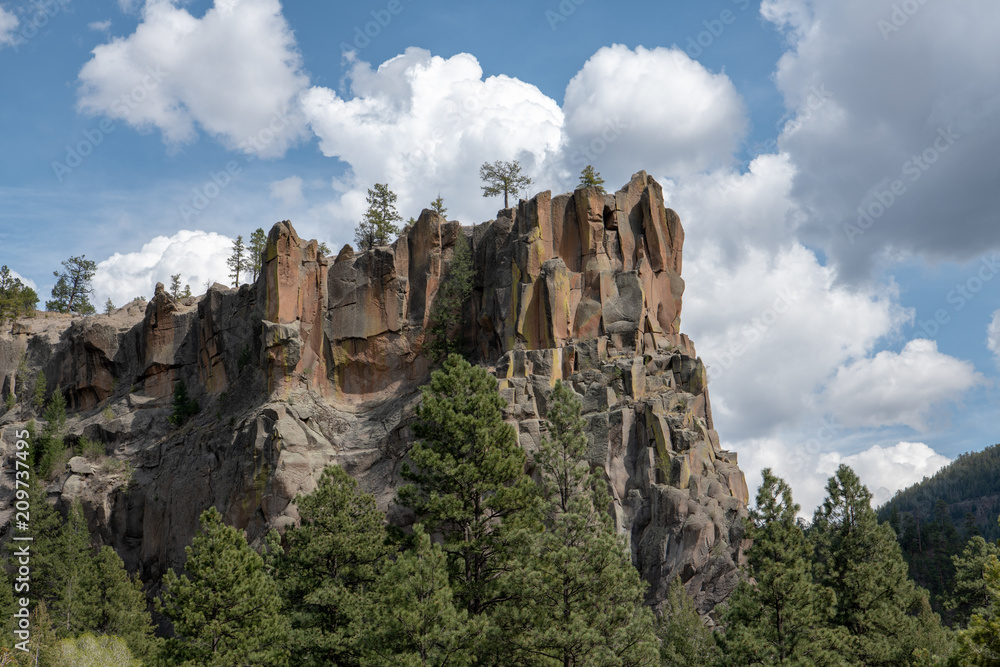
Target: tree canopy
[[378, 224], [72, 290], [503, 178]]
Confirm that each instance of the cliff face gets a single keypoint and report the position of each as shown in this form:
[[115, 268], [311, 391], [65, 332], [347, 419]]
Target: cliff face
[[320, 362]]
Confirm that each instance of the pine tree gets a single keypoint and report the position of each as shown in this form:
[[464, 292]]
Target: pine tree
[[16, 299], [331, 561], [109, 306], [469, 477], [783, 617], [970, 594], [238, 261], [685, 641], [175, 286], [184, 406], [378, 224], [980, 642], [413, 618], [38, 394], [591, 179], [71, 293], [448, 309], [49, 448], [121, 608], [226, 609], [258, 243], [860, 560], [7, 608], [438, 206], [503, 178], [581, 598], [74, 605], [323, 249]]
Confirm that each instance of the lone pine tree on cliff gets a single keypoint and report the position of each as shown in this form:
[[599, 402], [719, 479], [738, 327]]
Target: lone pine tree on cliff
[[591, 179], [72, 291], [238, 261], [378, 224], [503, 178]]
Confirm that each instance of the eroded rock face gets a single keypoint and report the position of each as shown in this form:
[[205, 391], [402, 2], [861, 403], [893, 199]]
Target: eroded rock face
[[320, 362]]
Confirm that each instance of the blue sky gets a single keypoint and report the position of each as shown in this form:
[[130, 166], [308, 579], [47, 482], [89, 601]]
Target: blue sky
[[833, 164]]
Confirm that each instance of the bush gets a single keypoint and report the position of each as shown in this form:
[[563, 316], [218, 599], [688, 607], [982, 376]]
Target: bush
[[91, 449], [9, 402]]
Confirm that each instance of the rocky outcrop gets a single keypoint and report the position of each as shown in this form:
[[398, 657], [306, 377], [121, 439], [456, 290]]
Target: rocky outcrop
[[320, 362]]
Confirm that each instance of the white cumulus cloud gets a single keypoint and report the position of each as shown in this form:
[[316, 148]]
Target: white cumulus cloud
[[886, 470], [899, 388], [288, 191], [198, 256], [235, 73]]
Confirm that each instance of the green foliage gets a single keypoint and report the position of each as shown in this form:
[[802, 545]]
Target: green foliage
[[238, 261], [378, 224], [120, 605], [109, 306], [243, 359], [74, 603], [91, 449], [49, 450], [331, 561], [860, 560], [980, 642], [72, 290], [468, 477], [503, 178], [258, 243], [16, 299], [9, 402], [782, 618], [449, 308], [970, 594], [413, 619], [226, 609], [591, 179], [38, 394], [184, 406], [323, 249], [685, 641], [438, 206], [580, 599], [175, 286], [90, 651]]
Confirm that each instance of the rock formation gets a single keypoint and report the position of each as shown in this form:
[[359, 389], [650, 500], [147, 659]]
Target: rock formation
[[320, 362]]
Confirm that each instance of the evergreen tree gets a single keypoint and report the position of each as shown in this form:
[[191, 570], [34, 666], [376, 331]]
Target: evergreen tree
[[226, 609], [413, 619], [43, 646], [503, 178], [258, 243], [438, 206], [121, 605], [49, 448], [46, 525], [238, 261], [332, 560], [109, 306], [469, 477], [74, 605], [860, 560], [378, 224], [591, 179], [980, 642], [7, 608], [685, 641], [970, 594], [72, 291], [782, 618], [38, 394], [184, 406], [175, 286], [16, 299], [323, 249], [187, 291], [448, 310], [581, 599]]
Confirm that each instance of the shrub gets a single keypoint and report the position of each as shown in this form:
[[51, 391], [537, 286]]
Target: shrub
[[184, 406]]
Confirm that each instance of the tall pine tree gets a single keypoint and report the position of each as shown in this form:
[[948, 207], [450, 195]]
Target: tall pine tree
[[226, 609]]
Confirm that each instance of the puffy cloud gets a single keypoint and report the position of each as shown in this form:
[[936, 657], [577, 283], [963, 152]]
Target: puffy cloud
[[8, 25], [883, 469], [198, 256], [235, 73], [425, 124], [993, 335], [906, 127], [25, 281], [654, 107], [288, 191], [886, 470], [899, 388]]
